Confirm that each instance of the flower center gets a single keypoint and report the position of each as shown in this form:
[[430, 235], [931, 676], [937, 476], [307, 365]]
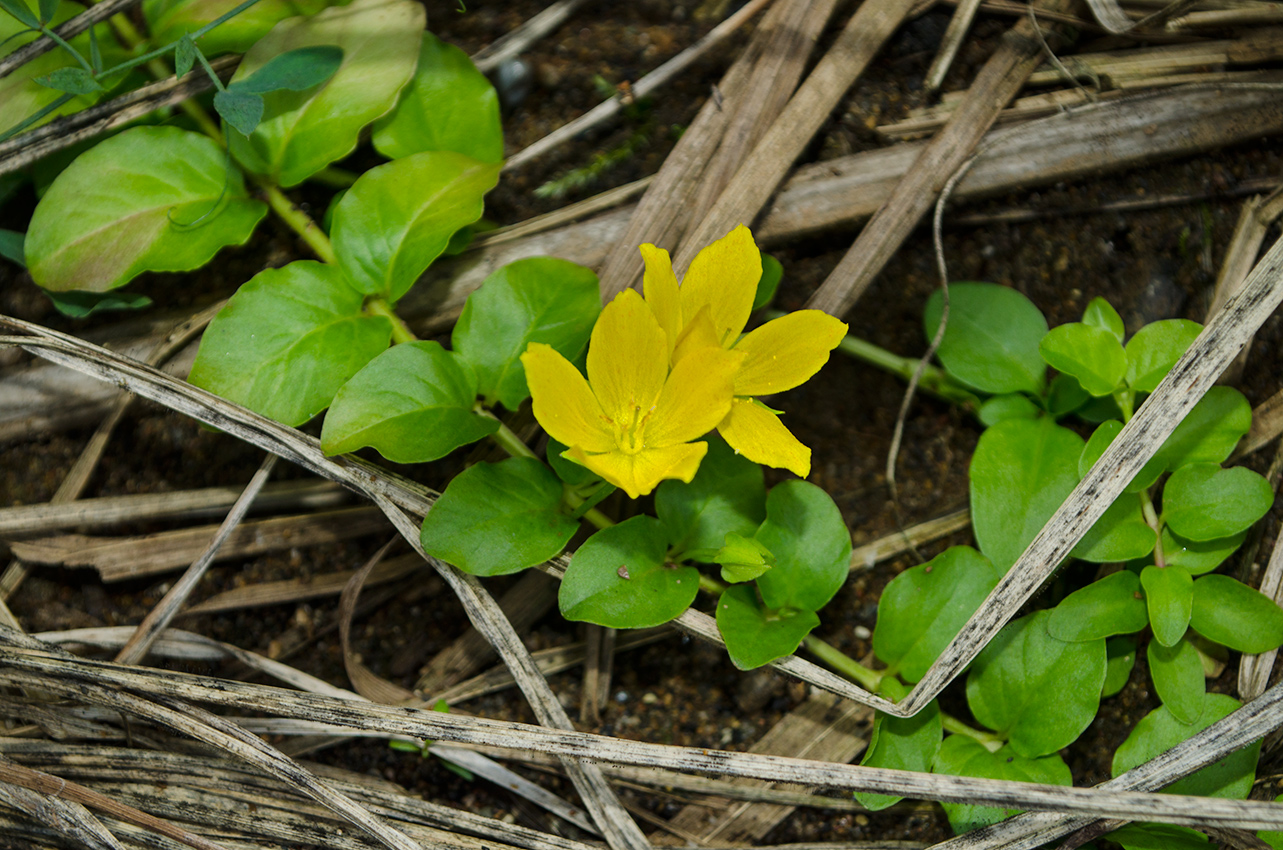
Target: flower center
[[630, 433]]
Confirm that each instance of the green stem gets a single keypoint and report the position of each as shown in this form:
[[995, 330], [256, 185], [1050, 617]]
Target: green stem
[[991, 740], [843, 663], [132, 38], [300, 222], [400, 330], [1154, 521], [58, 40], [335, 178], [711, 586]]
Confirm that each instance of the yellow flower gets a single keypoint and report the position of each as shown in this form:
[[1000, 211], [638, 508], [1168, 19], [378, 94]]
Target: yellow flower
[[712, 305], [632, 420]]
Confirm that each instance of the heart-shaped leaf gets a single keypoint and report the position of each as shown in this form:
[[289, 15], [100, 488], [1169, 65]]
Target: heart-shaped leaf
[[1121, 534], [1229, 612], [1155, 348], [727, 495], [412, 403], [1201, 501], [1101, 314], [1009, 406], [149, 199], [1209, 433], [805, 532], [756, 635], [498, 518], [1092, 355], [1109, 606], [397, 218], [992, 338], [1199, 556], [539, 299], [287, 340]]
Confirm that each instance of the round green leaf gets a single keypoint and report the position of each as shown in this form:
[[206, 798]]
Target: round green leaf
[[1201, 501], [1020, 473], [1229, 612], [963, 756], [412, 403], [1155, 348], [900, 743], [1168, 596], [1120, 653], [540, 299], [1178, 677], [287, 340], [498, 518], [992, 339], [397, 218], [1101, 314], [755, 635], [1066, 395], [1040, 691], [1159, 731], [1100, 440], [448, 106], [1121, 534], [303, 132], [922, 608], [1008, 406], [1109, 606], [1092, 355], [811, 544], [169, 20], [1159, 836], [149, 199], [619, 578], [726, 495], [1199, 556], [1209, 433]]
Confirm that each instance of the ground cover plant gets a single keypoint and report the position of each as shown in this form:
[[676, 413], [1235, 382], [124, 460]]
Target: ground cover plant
[[663, 396]]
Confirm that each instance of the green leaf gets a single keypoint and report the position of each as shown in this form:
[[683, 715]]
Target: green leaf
[[287, 340], [1008, 406], [149, 199], [303, 132], [768, 283], [1101, 314], [1066, 395], [1229, 612], [11, 246], [1121, 655], [1106, 607], [1100, 440], [1159, 731], [992, 339], [812, 547], [71, 81], [922, 608], [77, 305], [294, 70], [242, 110], [397, 218], [567, 470], [756, 635], [1155, 348], [1168, 596], [727, 495], [1178, 677], [412, 403], [1092, 355], [169, 20], [448, 106], [742, 558], [1199, 556], [22, 12], [1158, 836], [47, 10], [184, 56], [498, 518], [540, 299], [1209, 433], [1020, 473], [619, 578], [1121, 534], [1272, 837], [963, 756], [1201, 501], [1039, 691], [900, 743]]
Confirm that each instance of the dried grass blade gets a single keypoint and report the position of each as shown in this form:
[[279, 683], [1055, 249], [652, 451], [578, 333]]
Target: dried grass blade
[[68, 818]]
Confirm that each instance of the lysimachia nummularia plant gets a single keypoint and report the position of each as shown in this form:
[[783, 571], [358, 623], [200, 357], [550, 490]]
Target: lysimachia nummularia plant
[[1037, 686]]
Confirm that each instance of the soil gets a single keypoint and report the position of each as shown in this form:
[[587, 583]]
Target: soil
[[1151, 264]]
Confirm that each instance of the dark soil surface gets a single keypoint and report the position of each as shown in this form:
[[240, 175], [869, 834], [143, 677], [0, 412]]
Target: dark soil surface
[[1151, 264]]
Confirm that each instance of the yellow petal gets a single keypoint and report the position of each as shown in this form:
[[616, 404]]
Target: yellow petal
[[758, 434], [786, 352], [659, 285], [696, 397], [638, 474], [564, 404], [698, 333], [724, 276], [627, 359]]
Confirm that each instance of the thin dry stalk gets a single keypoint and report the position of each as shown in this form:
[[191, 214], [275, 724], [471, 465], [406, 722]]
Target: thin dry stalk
[[1254, 670], [519, 40], [898, 543], [366, 683], [65, 817], [646, 85], [954, 36], [1264, 45], [300, 589]]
